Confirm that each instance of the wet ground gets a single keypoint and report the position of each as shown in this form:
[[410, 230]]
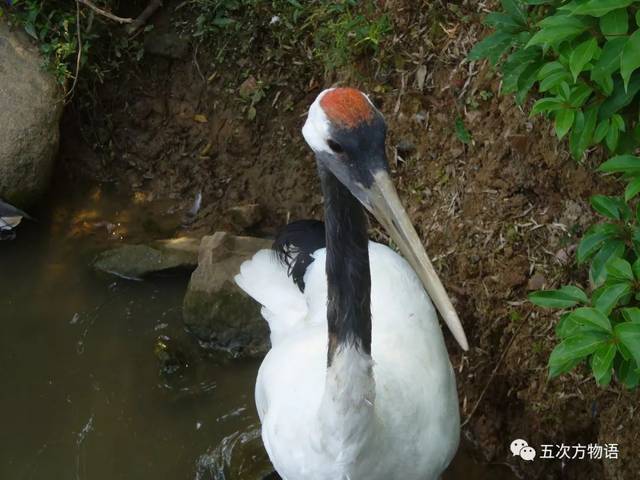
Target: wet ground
[[84, 393]]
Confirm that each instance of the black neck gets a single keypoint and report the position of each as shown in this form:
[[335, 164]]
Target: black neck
[[348, 274]]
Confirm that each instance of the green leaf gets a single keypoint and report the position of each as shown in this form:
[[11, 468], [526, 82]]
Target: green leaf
[[602, 363], [613, 135], [610, 296], [615, 22], [575, 347], [31, 30], [618, 121], [461, 132], [607, 206], [558, 368], [610, 249], [565, 297], [553, 80], [631, 314], [582, 55], [546, 105], [566, 327], [555, 35], [593, 240], [515, 65], [591, 318], [598, 8], [627, 374], [609, 60], [621, 164], [630, 59], [515, 10], [563, 122], [629, 335], [582, 133], [620, 97], [551, 67], [579, 94], [502, 21], [632, 189], [492, 47], [619, 270], [526, 81], [601, 131]]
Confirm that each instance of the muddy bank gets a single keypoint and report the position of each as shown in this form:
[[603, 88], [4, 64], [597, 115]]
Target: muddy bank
[[500, 214]]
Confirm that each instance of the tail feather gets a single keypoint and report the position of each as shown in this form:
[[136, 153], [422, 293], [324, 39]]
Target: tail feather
[[265, 279]]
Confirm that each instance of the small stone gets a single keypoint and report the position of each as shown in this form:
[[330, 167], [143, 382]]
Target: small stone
[[405, 147], [536, 282], [248, 87], [138, 261], [245, 216]]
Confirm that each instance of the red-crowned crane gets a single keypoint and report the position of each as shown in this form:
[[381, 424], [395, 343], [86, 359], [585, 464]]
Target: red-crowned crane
[[358, 384]]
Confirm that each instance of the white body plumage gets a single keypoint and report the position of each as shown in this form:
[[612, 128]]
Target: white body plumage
[[393, 415]]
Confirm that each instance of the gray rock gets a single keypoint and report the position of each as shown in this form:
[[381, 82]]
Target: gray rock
[[239, 456], [215, 309], [137, 261], [405, 147], [245, 216], [169, 45], [30, 109]]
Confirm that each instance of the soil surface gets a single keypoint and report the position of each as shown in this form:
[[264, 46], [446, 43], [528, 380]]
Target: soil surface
[[499, 215]]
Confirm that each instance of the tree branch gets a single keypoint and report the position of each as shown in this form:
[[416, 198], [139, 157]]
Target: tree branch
[[106, 14], [144, 16]]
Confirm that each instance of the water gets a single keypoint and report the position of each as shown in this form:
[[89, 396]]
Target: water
[[83, 394]]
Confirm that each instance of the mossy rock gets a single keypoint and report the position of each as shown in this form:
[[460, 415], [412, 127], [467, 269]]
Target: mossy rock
[[228, 320], [215, 310]]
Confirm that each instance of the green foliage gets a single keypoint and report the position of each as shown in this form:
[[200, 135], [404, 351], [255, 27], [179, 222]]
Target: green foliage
[[603, 328], [345, 30], [338, 32], [54, 27], [217, 15], [584, 58], [462, 133]]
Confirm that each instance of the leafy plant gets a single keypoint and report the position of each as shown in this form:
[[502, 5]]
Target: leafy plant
[[582, 55], [603, 328], [55, 31], [345, 30]]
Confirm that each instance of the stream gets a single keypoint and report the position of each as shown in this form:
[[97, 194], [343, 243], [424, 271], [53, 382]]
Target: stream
[[84, 393]]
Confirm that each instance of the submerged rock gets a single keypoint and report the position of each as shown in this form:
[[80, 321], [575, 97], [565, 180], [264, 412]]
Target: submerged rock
[[239, 456], [30, 110], [137, 261], [215, 309]]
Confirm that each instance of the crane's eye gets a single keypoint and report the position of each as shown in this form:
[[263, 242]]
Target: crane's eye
[[335, 146]]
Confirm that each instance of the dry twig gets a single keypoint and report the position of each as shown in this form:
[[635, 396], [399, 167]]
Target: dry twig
[[79, 56], [104, 13]]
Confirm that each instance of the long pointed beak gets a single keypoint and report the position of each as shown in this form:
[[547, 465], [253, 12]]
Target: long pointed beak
[[384, 204]]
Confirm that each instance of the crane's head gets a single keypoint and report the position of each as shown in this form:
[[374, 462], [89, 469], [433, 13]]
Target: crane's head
[[347, 134]]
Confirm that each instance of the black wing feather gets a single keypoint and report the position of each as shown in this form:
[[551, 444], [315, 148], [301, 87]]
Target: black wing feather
[[295, 244]]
